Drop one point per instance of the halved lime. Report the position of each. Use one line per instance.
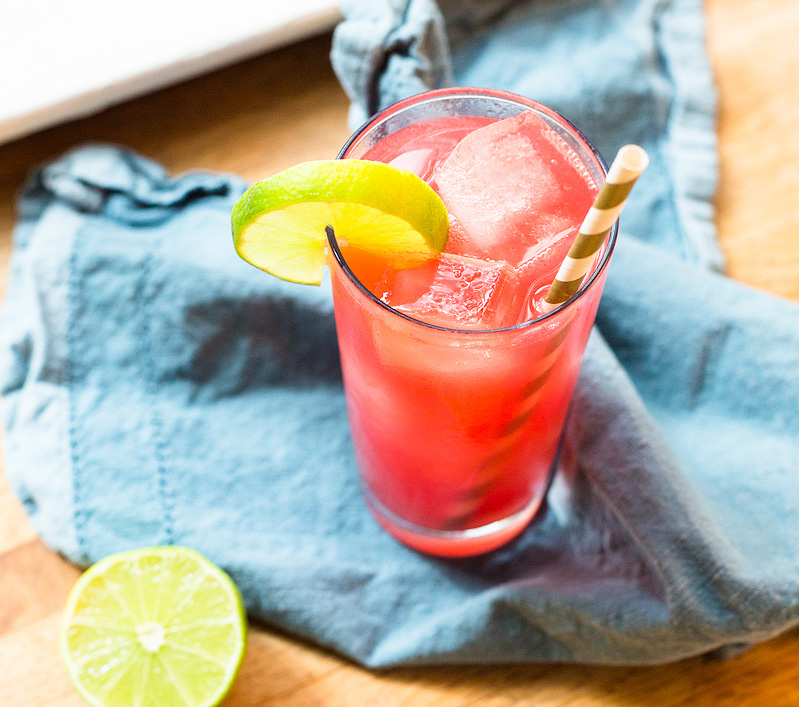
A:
(279, 223)
(153, 627)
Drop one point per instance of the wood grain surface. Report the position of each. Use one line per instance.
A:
(264, 115)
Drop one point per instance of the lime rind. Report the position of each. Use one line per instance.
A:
(279, 223)
(397, 192)
(115, 670)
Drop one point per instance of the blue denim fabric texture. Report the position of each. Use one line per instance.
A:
(156, 389)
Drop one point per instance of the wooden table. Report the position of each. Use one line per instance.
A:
(264, 115)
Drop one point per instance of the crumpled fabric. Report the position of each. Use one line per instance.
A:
(156, 389)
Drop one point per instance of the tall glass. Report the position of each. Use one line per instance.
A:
(456, 431)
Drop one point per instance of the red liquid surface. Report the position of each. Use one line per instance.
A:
(457, 430)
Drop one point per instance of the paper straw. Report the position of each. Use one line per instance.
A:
(629, 164)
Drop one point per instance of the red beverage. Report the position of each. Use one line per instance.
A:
(457, 384)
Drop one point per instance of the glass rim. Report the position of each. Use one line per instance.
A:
(529, 103)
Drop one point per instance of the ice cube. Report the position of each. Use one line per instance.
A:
(535, 274)
(455, 292)
(419, 161)
(402, 287)
(511, 184)
(419, 147)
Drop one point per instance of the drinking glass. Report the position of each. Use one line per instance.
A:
(456, 432)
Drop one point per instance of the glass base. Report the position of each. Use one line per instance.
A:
(454, 543)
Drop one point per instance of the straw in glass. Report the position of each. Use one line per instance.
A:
(629, 164)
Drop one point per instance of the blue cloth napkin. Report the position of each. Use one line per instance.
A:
(156, 389)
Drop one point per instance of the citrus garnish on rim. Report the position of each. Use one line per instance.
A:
(279, 223)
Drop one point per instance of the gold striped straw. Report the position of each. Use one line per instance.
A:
(629, 164)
